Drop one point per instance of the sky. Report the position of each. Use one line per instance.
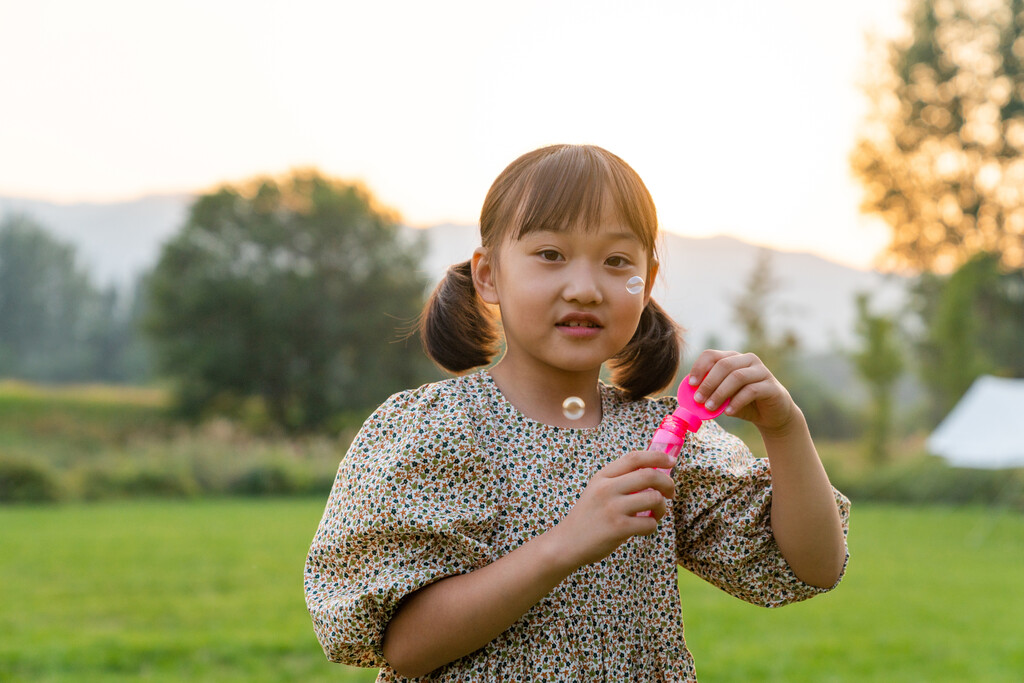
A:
(738, 115)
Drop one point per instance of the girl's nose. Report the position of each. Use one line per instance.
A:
(582, 286)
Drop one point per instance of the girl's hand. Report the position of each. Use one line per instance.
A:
(755, 395)
(605, 515)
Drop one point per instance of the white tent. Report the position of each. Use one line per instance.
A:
(986, 428)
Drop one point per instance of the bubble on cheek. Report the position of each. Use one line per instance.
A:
(573, 407)
(635, 285)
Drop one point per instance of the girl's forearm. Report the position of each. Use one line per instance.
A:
(457, 615)
(804, 514)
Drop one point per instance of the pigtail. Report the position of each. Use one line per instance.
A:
(456, 331)
(649, 361)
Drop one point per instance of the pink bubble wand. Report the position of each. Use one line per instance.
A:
(688, 417)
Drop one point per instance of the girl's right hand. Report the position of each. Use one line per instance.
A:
(605, 516)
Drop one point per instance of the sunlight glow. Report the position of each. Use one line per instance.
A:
(738, 115)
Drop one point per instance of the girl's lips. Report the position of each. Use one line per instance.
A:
(579, 325)
(580, 319)
(579, 331)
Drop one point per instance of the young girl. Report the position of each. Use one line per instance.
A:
(476, 533)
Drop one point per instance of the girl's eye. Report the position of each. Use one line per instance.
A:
(617, 261)
(550, 255)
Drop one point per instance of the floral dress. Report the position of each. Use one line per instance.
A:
(449, 477)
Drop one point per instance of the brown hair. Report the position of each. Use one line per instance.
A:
(561, 186)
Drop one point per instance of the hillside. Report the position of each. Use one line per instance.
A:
(117, 241)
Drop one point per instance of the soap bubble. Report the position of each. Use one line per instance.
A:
(635, 285)
(573, 407)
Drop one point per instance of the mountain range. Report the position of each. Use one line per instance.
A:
(699, 282)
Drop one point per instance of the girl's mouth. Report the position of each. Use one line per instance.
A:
(579, 325)
(579, 319)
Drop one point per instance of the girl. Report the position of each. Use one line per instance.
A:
(476, 533)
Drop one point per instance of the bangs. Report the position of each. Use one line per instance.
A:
(569, 187)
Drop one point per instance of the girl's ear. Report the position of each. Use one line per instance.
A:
(652, 275)
(483, 275)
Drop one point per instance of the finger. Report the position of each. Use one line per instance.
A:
(644, 479)
(643, 501)
(722, 373)
(767, 390)
(705, 361)
(640, 525)
(637, 460)
(755, 375)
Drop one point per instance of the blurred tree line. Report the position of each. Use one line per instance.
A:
(56, 324)
(827, 412)
(941, 160)
(285, 302)
(285, 296)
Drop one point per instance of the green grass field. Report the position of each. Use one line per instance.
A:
(212, 590)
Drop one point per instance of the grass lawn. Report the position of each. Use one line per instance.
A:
(203, 590)
(212, 590)
(931, 594)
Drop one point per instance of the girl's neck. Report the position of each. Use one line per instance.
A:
(539, 395)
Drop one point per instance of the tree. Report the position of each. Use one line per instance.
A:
(973, 324)
(879, 361)
(118, 349)
(47, 306)
(751, 310)
(56, 325)
(290, 291)
(940, 156)
(779, 351)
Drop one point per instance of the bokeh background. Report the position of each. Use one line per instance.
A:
(219, 221)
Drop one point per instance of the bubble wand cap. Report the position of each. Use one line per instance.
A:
(691, 412)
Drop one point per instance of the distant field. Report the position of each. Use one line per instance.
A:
(73, 443)
(212, 590)
(94, 442)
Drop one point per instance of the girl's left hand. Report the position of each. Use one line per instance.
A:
(755, 395)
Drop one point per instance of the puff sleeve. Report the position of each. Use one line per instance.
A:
(411, 504)
(722, 517)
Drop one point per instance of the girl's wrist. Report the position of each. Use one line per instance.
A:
(557, 552)
(795, 425)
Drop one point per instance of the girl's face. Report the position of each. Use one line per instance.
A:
(562, 295)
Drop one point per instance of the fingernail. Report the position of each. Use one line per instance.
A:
(698, 397)
(693, 381)
(710, 405)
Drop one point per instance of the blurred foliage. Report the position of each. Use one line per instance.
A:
(879, 362)
(752, 310)
(108, 443)
(26, 480)
(95, 443)
(931, 480)
(940, 154)
(972, 324)
(295, 291)
(779, 351)
(55, 324)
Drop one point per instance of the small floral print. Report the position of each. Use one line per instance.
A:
(449, 477)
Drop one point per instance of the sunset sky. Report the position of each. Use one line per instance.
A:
(738, 115)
